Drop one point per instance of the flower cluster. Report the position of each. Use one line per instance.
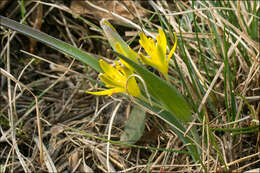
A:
(117, 78)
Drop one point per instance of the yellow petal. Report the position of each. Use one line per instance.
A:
(161, 47)
(133, 88)
(107, 92)
(162, 42)
(147, 43)
(111, 82)
(173, 49)
(109, 70)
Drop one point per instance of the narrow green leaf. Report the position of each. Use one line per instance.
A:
(52, 42)
(134, 126)
(166, 94)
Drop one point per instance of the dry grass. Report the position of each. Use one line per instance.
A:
(49, 124)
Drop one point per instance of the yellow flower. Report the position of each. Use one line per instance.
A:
(157, 52)
(116, 78)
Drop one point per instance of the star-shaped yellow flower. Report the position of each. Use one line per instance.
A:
(157, 52)
(116, 78)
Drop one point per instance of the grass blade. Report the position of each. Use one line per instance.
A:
(52, 42)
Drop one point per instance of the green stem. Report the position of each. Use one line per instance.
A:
(152, 103)
(167, 78)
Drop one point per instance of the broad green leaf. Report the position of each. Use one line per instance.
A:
(134, 126)
(166, 94)
(52, 42)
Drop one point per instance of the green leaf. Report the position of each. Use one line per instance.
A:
(134, 126)
(166, 94)
(114, 38)
(52, 42)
